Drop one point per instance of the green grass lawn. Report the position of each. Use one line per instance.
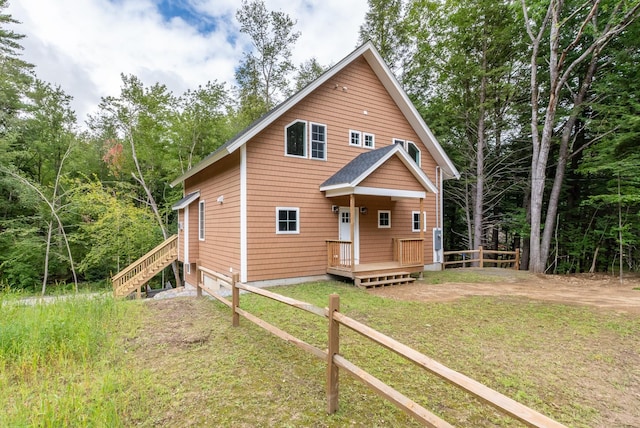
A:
(180, 363)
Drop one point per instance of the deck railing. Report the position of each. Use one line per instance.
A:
(330, 354)
(408, 251)
(339, 254)
(134, 275)
(471, 258)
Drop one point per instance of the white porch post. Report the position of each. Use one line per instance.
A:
(352, 226)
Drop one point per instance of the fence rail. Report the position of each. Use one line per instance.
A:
(468, 258)
(335, 361)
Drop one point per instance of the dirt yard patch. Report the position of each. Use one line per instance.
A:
(583, 289)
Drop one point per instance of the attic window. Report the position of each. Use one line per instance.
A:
(295, 139)
(414, 152)
(354, 138)
(369, 141)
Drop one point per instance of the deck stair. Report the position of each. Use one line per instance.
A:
(383, 279)
(137, 274)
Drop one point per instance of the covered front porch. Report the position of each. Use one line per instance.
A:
(379, 199)
(408, 256)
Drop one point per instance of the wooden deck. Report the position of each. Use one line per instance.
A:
(408, 258)
(372, 269)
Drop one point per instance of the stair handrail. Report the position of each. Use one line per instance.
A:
(142, 259)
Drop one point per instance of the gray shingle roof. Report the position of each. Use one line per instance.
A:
(357, 166)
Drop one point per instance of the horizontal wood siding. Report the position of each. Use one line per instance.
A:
(220, 250)
(275, 180)
(392, 175)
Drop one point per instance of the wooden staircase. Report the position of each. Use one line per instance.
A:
(383, 279)
(138, 273)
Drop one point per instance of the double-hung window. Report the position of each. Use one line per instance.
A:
(201, 221)
(296, 139)
(287, 220)
(318, 141)
(416, 221)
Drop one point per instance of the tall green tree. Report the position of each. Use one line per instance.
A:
(135, 130)
(200, 124)
(264, 72)
(566, 40)
(384, 26)
(464, 76)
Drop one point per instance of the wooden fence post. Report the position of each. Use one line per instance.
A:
(481, 256)
(333, 349)
(199, 277)
(235, 300)
(517, 263)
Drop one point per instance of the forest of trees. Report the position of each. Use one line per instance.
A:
(537, 103)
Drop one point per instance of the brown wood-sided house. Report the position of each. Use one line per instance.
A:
(343, 178)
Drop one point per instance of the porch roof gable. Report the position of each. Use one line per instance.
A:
(184, 202)
(348, 178)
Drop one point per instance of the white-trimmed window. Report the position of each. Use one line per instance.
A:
(415, 221)
(355, 138)
(287, 220)
(318, 141)
(414, 152)
(384, 219)
(201, 221)
(398, 141)
(368, 141)
(295, 137)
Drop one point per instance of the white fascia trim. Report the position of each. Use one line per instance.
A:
(412, 115)
(376, 191)
(243, 215)
(186, 202)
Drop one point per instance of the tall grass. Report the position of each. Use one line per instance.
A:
(57, 361)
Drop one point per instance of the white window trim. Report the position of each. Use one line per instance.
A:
(187, 268)
(419, 151)
(306, 137)
(351, 132)
(399, 142)
(424, 221)
(384, 226)
(288, 232)
(311, 140)
(373, 140)
(201, 221)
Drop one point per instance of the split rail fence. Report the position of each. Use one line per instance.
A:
(469, 258)
(335, 361)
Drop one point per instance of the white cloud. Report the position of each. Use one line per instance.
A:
(84, 45)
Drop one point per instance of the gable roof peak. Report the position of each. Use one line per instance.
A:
(388, 80)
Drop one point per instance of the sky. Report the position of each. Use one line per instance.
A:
(84, 45)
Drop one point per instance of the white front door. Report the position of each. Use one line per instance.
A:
(344, 233)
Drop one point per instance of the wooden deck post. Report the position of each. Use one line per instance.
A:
(481, 257)
(516, 265)
(333, 349)
(235, 300)
(199, 279)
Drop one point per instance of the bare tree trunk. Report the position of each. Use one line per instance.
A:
(152, 202)
(559, 74)
(45, 277)
(478, 210)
